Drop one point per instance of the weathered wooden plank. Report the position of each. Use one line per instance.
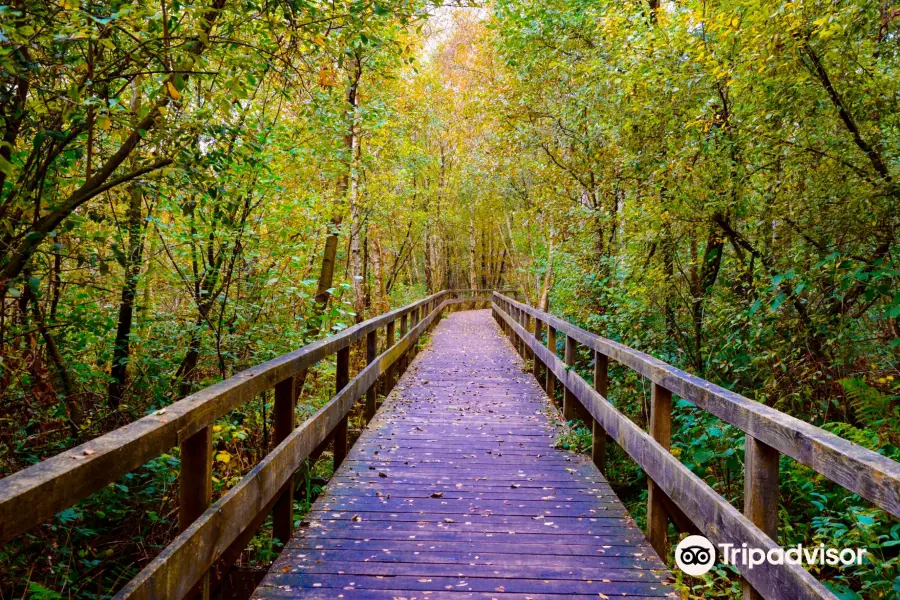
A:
(550, 382)
(390, 375)
(174, 572)
(661, 432)
(283, 416)
(760, 493)
(371, 354)
(598, 434)
(715, 517)
(538, 333)
(195, 488)
(341, 379)
(459, 471)
(869, 474)
(341, 583)
(35, 494)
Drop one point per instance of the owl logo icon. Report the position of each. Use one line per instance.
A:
(695, 555)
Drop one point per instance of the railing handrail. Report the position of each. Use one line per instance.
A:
(858, 469)
(33, 495)
(674, 491)
(176, 570)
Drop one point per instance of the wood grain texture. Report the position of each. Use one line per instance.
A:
(174, 572)
(760, 493)
(35, 494)
(455, 491)
(713, 515)
(661, 431)
(869, 474)
(283, 416)
(598, 434)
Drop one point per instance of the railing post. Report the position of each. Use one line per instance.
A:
(403, 360)
(341, 379)
(661, 431)
(519, 346)
(195, 488)
(283, 415)
(529, 354)
(538, 327)
(195, 491)
(551, 345)
(601, 385)
(570, 410)
(371, 354)
(760, 493)
(389, 341)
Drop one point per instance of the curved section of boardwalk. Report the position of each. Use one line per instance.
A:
(455, 491)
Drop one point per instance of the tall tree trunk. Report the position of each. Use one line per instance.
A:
(133, 260)
(329, 254)
(132, 267)
(76, 414)
(357, 263)
(378, 259)
(484, 280)
(544, 302)
(473, 280)
(429, 259)
(498, 282)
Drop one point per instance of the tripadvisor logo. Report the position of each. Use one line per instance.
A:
(696, 555)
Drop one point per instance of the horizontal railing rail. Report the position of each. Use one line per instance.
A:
(212, 536)
(675, 492)
(33, 495)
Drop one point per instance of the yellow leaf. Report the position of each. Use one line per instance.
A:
(223, 457)
(103, 122)
(173, 92)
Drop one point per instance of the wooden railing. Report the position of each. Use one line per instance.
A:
(675, 492)
(213, 536)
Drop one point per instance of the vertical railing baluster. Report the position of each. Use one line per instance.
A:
(195, 488)
(521, 321)
(570, 402)
(661, 431)
(283, 416)
(551, 345)
(601, 385)
(389, 377)
(341, 379)
(760, 493)
(538, 328)
(529, 354)
(371, 354)
(403, 360)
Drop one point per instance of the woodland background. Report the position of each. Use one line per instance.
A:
(188, 189)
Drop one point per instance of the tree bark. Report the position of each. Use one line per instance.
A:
(329, 254)
(473, 281)
(133, 260)
(544, 302)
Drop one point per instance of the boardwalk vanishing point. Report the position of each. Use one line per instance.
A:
(455, 490)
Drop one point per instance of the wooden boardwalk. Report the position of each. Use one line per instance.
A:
(455, 491)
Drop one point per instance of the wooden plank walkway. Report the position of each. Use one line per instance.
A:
(455, 491)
